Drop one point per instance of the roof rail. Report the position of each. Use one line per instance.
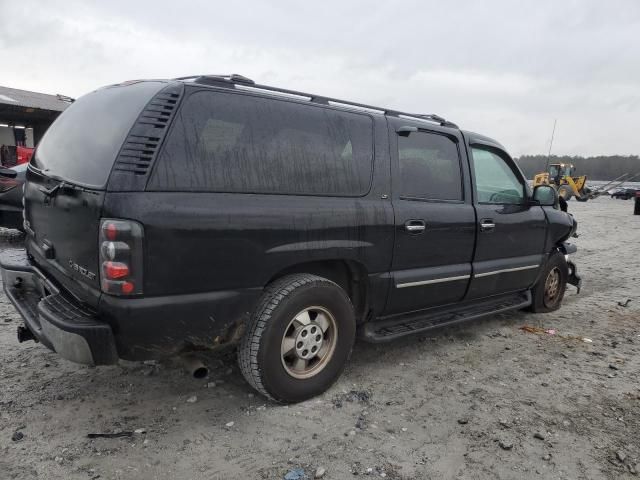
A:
(205, 79)
(248, 84)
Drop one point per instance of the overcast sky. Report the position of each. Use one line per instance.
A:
(504, 68)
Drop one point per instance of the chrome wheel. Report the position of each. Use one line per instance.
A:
(552, 287)
(309, 342)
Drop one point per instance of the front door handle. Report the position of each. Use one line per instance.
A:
(487, 225)
(415, 226)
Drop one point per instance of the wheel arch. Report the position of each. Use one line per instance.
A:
(350, 275)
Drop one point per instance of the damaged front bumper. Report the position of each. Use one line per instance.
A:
(573, 277)
(65, 327)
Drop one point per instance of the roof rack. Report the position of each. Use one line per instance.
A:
(245, 83)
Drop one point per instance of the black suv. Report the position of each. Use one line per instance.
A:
(165, 217)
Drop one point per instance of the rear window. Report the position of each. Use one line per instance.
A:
(224, 142)
(83, 142)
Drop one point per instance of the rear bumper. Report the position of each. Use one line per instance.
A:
(128, 328)
(72, 331)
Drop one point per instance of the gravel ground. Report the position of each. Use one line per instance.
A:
(484, 400)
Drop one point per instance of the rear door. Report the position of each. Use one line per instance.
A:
(511, 232)
(66, 183)
(434, 217)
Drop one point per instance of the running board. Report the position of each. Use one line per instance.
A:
(390, 329)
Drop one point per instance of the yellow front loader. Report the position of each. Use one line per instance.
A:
(561, 177)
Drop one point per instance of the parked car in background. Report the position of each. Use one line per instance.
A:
(166, 217)
(11, 155)
(11, 198)
(624, 193)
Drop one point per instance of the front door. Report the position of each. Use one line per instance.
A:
(511, 231)
(434, 219)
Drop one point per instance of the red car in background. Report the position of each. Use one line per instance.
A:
(11, 156)
(23, 155)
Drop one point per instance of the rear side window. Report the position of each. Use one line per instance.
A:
(82, 144)
(224, 142)
(429, 167)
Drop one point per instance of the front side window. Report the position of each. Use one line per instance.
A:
(224, 142)
(429, 167)
(495, 182)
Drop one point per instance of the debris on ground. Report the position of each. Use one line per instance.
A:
(505, 444)
(625, 304)
(192, 399)
(538, 330)
(296, 474)
(353, 396)
(110, 435)
(17, 436)
(320, 471)
(553, 331)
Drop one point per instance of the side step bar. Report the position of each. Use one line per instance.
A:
(389, 329)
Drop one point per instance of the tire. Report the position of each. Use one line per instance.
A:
(565, 192)
(541, 300)
(289, 314)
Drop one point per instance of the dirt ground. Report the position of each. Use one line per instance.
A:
(485, 400)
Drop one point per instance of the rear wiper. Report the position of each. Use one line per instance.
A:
(52, 192)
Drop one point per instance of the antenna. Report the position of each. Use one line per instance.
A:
(553, 132)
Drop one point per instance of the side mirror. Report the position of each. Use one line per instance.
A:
(7, 172)
(545, 195)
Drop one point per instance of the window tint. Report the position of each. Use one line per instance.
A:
(82, 144)
(429, 167)
(495, 182)
(238, 143)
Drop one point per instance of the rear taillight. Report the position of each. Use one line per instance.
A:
(121, 257)
(7, 184)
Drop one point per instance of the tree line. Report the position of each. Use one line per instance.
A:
(595, 168)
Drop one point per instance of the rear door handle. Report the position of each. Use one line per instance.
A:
(487, 225)
(415, 226)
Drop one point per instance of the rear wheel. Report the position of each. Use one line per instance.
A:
(548, 292)
(299, 338)
(565, 192)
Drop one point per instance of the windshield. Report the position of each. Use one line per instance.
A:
(83, 142)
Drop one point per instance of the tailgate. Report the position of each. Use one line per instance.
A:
(62, 234)
(66, 183)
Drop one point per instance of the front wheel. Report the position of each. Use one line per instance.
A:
(299, 338)
(548, 292)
